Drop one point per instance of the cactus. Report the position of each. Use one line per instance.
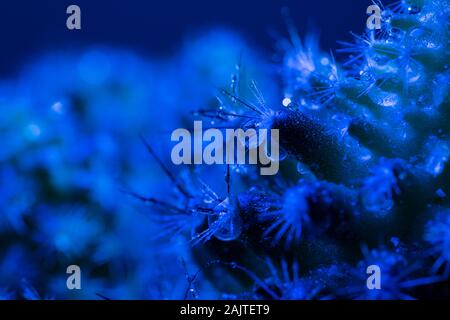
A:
(369, 139)
(363, 180)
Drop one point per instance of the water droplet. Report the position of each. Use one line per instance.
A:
(225, 222)
(286, 102)
(57, 107)
(438, 156)
(302, 169)
(325, 61)
(389, 100)
(377, 192)
(395, 241)
(440, 193)
(413, 9)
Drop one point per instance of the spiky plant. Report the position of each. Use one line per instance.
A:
(366, 178)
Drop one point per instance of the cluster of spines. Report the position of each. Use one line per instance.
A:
(371, 140)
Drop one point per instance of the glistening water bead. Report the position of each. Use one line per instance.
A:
(225, 222)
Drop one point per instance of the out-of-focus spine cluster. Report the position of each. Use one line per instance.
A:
(70, 150)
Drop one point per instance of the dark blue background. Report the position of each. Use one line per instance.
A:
(157, 27)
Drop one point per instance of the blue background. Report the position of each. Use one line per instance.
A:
(154, 28)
